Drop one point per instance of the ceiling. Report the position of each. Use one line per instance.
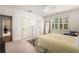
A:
(39, 9)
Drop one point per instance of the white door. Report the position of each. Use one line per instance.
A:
(47, 27)
(25, 27)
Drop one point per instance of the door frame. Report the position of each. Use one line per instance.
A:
(10, 24)
(49, 22)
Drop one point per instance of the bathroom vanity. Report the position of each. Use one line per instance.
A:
(7, 37)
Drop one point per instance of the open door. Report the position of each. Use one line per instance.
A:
(47, 27)
(7, 28)
(2, 41)
(5, 31)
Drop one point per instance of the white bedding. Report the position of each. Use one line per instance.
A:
(56, 43)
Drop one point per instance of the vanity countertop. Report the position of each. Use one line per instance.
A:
(6, 34)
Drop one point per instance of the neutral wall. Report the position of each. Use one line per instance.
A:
(73, 19)
(31, 20)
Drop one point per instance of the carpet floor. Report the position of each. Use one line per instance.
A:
(20, 46)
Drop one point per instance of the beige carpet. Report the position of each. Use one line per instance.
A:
(20, 46)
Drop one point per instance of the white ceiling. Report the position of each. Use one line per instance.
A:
(39, 9)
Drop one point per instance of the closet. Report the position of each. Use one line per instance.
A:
(25, 24)
(31, 27)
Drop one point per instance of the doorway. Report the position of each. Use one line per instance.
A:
(7, 28)
(5, 31)
(47, 27)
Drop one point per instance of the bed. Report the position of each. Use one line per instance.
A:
(56, 43)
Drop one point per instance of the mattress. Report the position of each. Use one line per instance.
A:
(57, 43)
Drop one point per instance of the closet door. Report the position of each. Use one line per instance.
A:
(25, 28)
(2, 42)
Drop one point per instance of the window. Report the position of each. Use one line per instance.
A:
(53, 26)
(65, 26)
(56, 26)
(60, 23)
(56, 20)
(60, 20)
(61, 26)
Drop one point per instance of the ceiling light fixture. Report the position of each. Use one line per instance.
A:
(47, 8)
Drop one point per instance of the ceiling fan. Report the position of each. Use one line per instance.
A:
(47, 8)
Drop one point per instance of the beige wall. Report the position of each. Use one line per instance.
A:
(23, 29)
(73, 19)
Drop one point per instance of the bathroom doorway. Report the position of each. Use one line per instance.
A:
(7, 28)
(5, 31)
